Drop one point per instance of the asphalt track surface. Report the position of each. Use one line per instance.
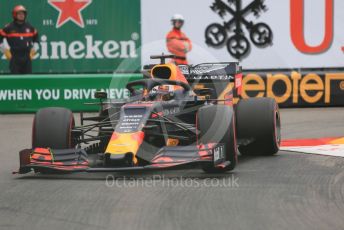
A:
(286, 191)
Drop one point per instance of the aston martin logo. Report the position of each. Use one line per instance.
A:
(70, 10)
(238, 44)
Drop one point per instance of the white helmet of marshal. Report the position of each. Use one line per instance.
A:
(177, 17)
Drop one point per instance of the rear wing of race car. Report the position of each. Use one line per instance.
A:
(224, 79)
(210, 72)
(206, 72)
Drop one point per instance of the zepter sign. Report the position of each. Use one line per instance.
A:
(294, 89)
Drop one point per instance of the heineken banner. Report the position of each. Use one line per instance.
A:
(85, 36)
(27, 94)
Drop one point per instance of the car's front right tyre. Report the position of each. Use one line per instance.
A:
(52, 128)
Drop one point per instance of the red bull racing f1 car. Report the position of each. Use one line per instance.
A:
(176, 116)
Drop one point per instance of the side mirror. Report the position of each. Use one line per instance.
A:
(204, 92)
(100, 95)
(150, 127)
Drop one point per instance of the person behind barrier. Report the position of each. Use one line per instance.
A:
(177, 42)
(21, 38)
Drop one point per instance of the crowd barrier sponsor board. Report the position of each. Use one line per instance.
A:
(27, 94)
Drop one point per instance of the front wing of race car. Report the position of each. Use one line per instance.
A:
(47, 160)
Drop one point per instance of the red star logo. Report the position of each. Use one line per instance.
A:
(70, 10)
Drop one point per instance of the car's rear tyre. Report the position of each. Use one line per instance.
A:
(258, 126)
(52, 128)
(216, 124)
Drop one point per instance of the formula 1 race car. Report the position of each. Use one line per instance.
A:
(176, 116)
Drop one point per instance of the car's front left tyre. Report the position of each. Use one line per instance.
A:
(216, 124)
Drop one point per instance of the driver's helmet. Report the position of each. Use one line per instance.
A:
(158, 93)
